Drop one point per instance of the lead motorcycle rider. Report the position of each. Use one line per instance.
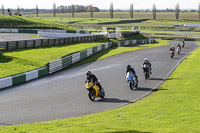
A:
(146, 62)
(130, 69)
(92, 77)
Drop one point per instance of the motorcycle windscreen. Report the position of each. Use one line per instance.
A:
(129, 76)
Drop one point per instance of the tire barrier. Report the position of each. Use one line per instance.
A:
(64, 62)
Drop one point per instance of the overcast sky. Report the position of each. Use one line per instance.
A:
(103, 4)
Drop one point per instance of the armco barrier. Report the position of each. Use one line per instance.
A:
(23, 77)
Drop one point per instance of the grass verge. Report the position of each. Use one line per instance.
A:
(19, 61)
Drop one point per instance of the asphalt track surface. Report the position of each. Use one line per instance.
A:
(16, 37)
(63, 95)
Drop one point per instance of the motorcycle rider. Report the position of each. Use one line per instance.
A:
(146, 62)
(178, 45)
(130, 69)
(183, 43)
(172, 48)
(92, 77)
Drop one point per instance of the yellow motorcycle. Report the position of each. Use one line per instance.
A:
(94, 90)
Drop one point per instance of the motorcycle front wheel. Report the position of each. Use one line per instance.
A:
(102, 93)
(146, 75)
(131, 84)
(91, 95)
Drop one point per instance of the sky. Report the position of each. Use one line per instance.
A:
(102, 4)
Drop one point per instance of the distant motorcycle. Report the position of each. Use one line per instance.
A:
(131, 79)
(171, 53)
(183, 44)
(146, 71)
(94, 90)
(178, 50)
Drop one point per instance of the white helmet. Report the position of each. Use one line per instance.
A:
(145, 59)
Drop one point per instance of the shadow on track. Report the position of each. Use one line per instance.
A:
(113, 100)
(148, 89)
(162, 79)
(4, 124)
(177, 58)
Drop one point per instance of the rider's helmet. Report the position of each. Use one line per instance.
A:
(88, 73)
(172, 46)
(128, 66)
(145, 59)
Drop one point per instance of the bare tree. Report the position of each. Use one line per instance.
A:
(177, 11)
(131, 10)
(199, 11)
(18, 10)
(54, 10)
(73, 10)
(91, 11)
(37, 11)
(2, 10)
(111, 10)
(154, 11)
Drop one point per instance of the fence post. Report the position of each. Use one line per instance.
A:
(47, 42)
(25, 44)
(7, 47)
(33, 43)
(17, 44)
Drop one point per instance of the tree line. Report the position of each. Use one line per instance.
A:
(79, 8)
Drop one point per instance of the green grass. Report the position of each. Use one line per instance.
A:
(36, 36)
(117, 50)
(122, 19)
(19, 61)
(20, 21)
(174, 108)
(140, 18)
(184, 16)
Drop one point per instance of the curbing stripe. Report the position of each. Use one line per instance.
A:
(17, 79)
(31, 75)
(43, 71)
(5, 82)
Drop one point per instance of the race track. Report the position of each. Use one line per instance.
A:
(63, 95)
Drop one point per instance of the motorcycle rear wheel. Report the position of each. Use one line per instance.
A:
(91, 95)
